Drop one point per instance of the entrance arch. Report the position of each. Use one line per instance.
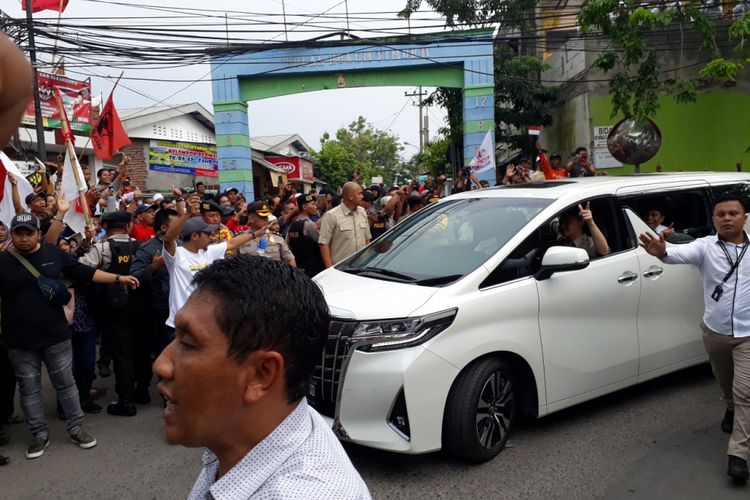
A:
(462, 59)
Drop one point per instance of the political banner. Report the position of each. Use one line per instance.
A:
(484, 159)
(183, 158)
(76, 97)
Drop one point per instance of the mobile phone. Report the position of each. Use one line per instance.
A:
(422, 178)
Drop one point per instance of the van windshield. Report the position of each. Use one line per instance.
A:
(444, 242)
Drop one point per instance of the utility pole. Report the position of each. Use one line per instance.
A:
(41, 146)
(424, 133)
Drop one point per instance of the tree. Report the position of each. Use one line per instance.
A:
(520, 99)
(359, 146)
(434, 157)
(627, 25)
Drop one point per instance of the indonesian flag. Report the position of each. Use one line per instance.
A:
(40, 5)
(74, 217)
(108, 135)
(535, 129)
(7, 211)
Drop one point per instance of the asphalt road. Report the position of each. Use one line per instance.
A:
(658, 440)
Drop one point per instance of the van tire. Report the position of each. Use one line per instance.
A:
(486, 387)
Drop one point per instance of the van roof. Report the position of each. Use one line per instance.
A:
(600, 185)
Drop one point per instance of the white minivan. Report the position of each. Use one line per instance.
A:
(470, 313)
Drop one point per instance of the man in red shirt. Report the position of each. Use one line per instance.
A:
(143, 227)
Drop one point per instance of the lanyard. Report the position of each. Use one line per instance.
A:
(733, 265)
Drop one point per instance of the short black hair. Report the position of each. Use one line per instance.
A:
(579, 149)
(287, 313)
(161, 217)
(555, 155)
(335, 201)
(723, 198)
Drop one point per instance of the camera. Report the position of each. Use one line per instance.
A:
(466, 171)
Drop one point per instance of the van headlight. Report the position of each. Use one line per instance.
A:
(400, 333)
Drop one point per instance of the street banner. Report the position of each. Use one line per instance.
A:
(75, 217)
(183, 158)
(76, 96)
(108, 136)
(7, 211)
(484, 159)
(40, 5)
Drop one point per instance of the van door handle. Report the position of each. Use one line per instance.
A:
(653, 271)
(627, 277)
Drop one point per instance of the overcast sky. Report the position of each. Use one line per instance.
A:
(309, 114)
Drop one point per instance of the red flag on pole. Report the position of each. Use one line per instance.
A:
(40, 5)
(108, 135)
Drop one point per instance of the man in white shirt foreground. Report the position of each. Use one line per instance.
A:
(235, 378)
(725, 271)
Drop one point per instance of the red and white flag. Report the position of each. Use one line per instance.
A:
(74, 217)
(7, 211)
(108, 135)
(40, 5)
(535, 129)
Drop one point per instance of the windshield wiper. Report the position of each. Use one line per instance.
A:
(439, 280)
(381, 272)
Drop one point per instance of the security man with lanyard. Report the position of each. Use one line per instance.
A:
(114, 254)
(726, 318)
(271, 246)
(302, 237)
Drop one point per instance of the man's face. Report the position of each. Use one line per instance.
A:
(64, 246)
(571, 227)
(729, 219)
(555, 162)
(38, 204)
(203, 386)
(212, 217)
(224, 201)
(86, 175)
(232, 197)
(147, 217)
(255, 221)
(201, 188)
(311, 208)
(201, 240)
(356, 196)
(289, 208)
(583, 157)
(25, 240)
(654, 218)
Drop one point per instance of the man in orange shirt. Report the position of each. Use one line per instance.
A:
(550, 172)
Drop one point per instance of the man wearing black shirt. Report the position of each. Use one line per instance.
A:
(36, 330)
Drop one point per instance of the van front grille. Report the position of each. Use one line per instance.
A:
(324, 383)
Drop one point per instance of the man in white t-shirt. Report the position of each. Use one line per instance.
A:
(195, 253)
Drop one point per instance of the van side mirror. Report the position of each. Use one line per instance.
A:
(560, 259)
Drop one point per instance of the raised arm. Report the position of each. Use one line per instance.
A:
(600, 242)
(58, 225)
(17, 206)
(175, 229)
(243, 238)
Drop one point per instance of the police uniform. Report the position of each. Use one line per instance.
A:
(302, 239)
(115, 317)
(276, 248)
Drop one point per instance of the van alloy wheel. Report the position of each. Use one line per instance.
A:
(494, 410)
(480, 410)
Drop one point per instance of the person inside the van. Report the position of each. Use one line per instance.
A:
(578, 228)
(654, 218)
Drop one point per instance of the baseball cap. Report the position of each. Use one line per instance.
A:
(260, 208)
(227, 211)
(236, 191)
(26, 221)
(158, 197)
(142, 208)
(303, 200)
(197, 225)
(33, 196)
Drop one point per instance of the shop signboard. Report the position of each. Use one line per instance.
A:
(183, 158)
(295, 167)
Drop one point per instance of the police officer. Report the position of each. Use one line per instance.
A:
(270, 245)
(114, 254)
(302, 237)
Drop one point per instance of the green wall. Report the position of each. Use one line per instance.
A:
(712, 133)
(254, 88)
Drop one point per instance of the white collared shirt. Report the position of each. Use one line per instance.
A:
(300, 459)
(730, 315)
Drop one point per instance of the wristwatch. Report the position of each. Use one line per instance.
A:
(117, 278)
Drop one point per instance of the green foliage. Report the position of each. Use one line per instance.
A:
(359, 146)
(520, 100)
(635, 85)
(434, 158)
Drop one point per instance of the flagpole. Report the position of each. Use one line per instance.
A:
(57, 31)
(41, 145)
(71, 152)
